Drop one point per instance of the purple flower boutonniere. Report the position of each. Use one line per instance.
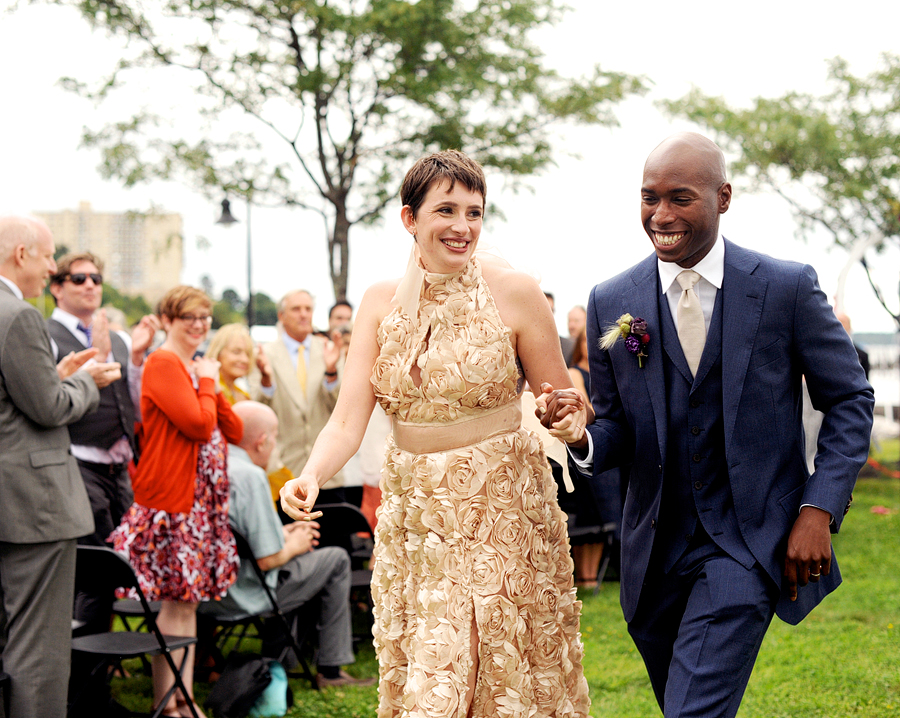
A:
(633, 330)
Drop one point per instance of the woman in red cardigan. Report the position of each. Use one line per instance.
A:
(176, 534)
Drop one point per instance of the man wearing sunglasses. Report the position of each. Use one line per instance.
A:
(103, 441)
(43, 504)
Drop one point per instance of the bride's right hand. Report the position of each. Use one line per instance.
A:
(298, 496)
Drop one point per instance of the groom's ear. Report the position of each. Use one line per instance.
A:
(724, 197)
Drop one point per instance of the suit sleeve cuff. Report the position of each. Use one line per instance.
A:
(820, 509)
(585, 463)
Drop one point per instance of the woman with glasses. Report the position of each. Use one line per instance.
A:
(176, 534)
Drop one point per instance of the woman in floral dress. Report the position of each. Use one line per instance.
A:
(475, 611)
(176, 534)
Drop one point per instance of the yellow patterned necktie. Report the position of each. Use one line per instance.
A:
(301, 368)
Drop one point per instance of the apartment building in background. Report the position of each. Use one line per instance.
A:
(142, 251)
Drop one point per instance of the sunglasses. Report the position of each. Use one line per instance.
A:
(80, 278)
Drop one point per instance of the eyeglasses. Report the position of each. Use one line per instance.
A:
(80, 278)
(191, 319)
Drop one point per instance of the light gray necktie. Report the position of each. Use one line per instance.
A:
(691, 327)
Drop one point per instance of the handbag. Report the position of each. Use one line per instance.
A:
(242, 682)
(277, 697)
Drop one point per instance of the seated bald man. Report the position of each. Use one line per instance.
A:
(295, 567)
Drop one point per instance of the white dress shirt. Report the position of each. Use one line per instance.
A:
(13, 286)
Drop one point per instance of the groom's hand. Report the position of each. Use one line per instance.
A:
(563, 412)
(809, 549)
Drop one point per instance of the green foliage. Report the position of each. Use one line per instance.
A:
(834, 158)
(265, 309)
(135, 308)
(232, 309)
(224, 313)
(352, 92)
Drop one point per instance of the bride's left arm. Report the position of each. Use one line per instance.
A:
(525, 310)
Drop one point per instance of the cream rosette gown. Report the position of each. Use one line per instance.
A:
(472, 581)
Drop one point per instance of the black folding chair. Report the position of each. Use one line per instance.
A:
(238, 627)
(105, 570)
(342, 525)
(130, 610)
(346, 526)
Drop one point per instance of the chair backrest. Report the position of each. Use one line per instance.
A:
(340, 521)
(246, 554)
(103, 571)
(101, 568)
(243, 547)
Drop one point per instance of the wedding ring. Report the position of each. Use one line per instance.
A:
(814, 575)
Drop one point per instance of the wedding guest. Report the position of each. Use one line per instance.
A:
(176, 533)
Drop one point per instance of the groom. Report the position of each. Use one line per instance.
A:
(722, 524)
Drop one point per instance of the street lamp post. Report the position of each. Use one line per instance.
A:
(228, 219)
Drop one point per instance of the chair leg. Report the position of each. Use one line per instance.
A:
(178, 685)
(604, 564)
(296, 646)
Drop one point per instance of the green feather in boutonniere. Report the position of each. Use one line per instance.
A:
(633, 331)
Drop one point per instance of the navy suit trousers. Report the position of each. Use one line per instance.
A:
(699, 628)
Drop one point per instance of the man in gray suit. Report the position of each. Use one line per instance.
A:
(43, 503)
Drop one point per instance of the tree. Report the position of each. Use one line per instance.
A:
(265, 308)
(349, 90)
(233, 299)
(835, 158)
(135, 307)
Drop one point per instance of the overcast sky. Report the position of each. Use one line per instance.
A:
(581, 223)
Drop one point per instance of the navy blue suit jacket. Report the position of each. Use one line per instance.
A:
(777, 326)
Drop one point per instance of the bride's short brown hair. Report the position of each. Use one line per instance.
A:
(451, 165)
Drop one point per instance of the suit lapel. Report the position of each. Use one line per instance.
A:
(286, 372)
(643, 301)
(743, 298)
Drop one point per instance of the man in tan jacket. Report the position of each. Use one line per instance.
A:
(306, 380)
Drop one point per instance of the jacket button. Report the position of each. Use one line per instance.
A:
(688, 538)
(698, 485)
(696, 458)
(695, 403)
(695, 430)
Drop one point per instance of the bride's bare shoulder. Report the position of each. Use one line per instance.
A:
(377, 299)
(503, 278)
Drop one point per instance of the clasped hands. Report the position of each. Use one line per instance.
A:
(565, 413)
(301, 536)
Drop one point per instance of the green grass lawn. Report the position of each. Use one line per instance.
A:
(843, 660)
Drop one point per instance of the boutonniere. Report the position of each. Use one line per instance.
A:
(633, 331)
